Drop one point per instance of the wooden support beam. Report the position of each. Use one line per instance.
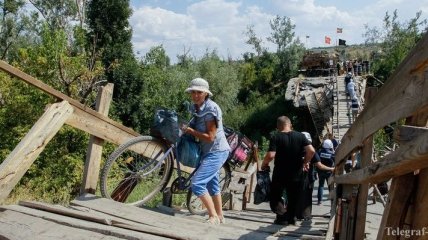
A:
(405, 134)
(420, 216)
(406, 159)
(95, 146)
(20, 159)
(405, 92)
(85, 121)
(403, 189)
(363, 191)
(98, 117)
(398, 201)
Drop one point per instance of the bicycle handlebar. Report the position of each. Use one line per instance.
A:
(200, 115)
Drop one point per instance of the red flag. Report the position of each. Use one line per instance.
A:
(339, 30)
(327, 40)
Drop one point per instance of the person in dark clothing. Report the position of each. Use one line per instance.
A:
(304, 207)
(326, 154)
(286, 147)
(348, 78)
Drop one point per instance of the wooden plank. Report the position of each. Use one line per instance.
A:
(405, 134)
(21, 158)
(420, 218)
(406, 159)
(363, 191)
(55, 93)
(16, 225)
(61, 210)
(399, 194)
(185, 227)
(95, 145)
(92, 216)
(88, 122)
(404, 92)
(40, 219)
(330, 230)
(263, 223)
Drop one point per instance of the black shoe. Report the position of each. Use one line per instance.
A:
(281, 220)
(292, 222)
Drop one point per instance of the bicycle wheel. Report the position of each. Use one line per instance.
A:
(195, 205)
(132, 174)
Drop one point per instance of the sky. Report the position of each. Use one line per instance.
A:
(198, 26)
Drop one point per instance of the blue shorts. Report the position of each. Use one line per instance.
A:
(206, 178)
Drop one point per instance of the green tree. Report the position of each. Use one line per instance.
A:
(254, 41)
(222, 77)
(396, 39)
(289, 48)
(57, 13)
(17, 29)
(109, 37)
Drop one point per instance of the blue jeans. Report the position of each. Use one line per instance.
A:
(206, 178)
(322, 177)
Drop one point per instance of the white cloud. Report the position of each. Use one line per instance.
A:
(210, 24)
(220, 24)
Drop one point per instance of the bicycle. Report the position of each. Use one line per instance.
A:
(142, 167)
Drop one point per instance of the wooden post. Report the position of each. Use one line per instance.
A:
(366, 159)
(21, 158)
(95, 146)
(402, 189)
(420, 208)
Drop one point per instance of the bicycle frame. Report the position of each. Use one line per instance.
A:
(183, 185)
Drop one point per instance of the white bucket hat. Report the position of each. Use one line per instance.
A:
(199, 84)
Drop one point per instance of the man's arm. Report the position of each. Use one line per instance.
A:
(267, 159)
(309, 153)
(321, 166)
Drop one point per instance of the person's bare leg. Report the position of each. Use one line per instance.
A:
(218, 206)
(208, 202)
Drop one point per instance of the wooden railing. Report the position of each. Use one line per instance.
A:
(403, 97)
(66, 111)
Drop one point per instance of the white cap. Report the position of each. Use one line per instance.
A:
(327, 144)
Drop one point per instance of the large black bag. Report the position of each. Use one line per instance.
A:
(262, 191)
(165, 125)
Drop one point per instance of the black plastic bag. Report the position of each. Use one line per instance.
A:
(262, 191)
(165, 125)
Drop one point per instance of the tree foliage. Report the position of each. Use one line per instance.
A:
(396, 39)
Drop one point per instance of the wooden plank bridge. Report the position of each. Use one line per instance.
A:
(91, 217)
(404, 96)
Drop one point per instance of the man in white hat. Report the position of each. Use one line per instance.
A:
(207, 127)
